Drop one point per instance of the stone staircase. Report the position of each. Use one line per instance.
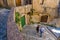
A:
(29, 33)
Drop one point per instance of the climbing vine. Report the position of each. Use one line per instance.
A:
(17, 18)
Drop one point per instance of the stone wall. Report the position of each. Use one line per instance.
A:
(23, 10)
(50, 5)
(11, 3)
(1, 2)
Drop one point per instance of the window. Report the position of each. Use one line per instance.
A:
(27, 2)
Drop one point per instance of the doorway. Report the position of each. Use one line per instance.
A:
(23, 21)
(44, 18)
(18, 2)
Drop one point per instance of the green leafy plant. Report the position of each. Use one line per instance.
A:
(17, 18)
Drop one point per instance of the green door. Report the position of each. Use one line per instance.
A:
(23, 21)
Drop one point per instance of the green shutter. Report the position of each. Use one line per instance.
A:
(23, 21)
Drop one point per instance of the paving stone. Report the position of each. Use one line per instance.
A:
(12, 30)
(3, 25)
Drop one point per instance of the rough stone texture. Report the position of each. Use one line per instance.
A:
(3, 23)
(50, 5)
(55, 22)
(11, 3)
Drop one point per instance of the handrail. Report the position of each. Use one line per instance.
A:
(50, 32)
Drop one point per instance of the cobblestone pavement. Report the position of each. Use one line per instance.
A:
(8, 28)
(3, 23)
(31, 31)
(12, 30)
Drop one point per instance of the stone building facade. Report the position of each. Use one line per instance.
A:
(43, 11)
(42, 8)
(10, 3)
(50, 6)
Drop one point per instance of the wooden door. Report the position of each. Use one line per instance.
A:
(44, 18)
(18, 2)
